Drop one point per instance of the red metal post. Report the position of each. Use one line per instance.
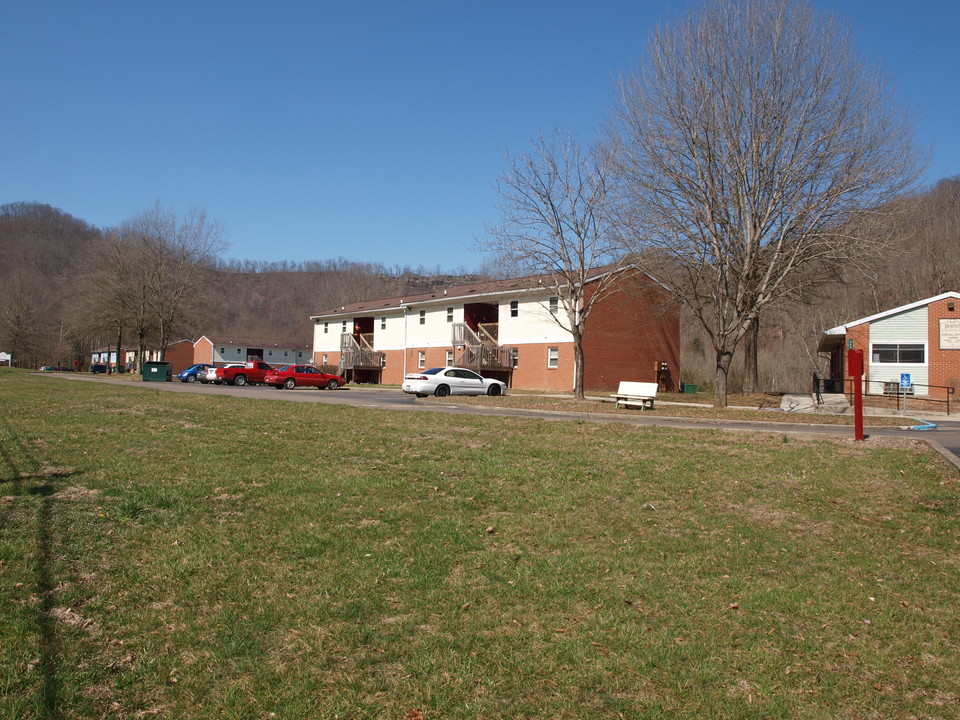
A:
(855, 367)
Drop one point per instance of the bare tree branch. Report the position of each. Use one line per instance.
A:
(557, 207)
(749, 141)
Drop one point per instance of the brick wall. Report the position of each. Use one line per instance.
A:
(180, 355)
(532, 372)
(203, 351)
(944, 365)
(861, 341)
(393, 370)
(628, 333)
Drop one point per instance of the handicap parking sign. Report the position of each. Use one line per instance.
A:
(904, 380)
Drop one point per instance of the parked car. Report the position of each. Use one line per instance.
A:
(192, 373)
(291, 376)
(443, 381)
(98, 369)
(210, 376)
(252, 371)
(55, 368)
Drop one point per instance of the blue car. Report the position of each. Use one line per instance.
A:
(190, 374)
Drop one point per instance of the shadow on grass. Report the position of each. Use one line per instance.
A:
(40, 483)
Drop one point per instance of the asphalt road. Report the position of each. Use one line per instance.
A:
(945, 438)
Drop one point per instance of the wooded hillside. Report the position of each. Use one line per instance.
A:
(67, 289)
(55, 308)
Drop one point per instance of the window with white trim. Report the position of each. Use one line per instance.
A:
(553, 357)
(423, 317)
(449, 357)
(449, 314)
(899, 353)
(326, 327)
(383, 323)
(514, 308)
(515, 357)
(554, 304)
(421, 359)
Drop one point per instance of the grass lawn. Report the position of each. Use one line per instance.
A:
(192, 556)
(688, 410)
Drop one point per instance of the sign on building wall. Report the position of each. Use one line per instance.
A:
(950, 334)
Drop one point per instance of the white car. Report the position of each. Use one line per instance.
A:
(211, 375)
(443, 381)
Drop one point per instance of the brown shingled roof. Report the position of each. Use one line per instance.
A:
(258, 342)
(457, 292)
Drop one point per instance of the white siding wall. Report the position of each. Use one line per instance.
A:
(392, 337)
(328, 342)
(533, 324)
(905, 327)
(273, 356)
(436, 331)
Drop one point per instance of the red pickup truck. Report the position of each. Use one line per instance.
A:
(253, 371)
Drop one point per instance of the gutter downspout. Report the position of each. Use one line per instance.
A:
(405, 309)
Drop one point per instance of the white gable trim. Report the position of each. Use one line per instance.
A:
(842, 329)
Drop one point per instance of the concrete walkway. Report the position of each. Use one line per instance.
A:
(837, 404)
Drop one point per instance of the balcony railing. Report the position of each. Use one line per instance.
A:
(480, 350)
(489, 332)
(354, 356)
(486, 357)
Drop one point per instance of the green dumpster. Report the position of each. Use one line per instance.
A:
(157, 371)
(688, 388)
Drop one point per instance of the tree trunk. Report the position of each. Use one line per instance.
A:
(751, 371)
(119, 344)
(724, 357)
(578, 367)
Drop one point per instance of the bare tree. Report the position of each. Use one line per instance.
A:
(172, 256)
(558, 215)
(747, 141)
(148, 276)
(22, 320)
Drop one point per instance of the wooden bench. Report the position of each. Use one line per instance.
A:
(635, 394)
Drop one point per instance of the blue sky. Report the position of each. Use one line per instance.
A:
(369, 131)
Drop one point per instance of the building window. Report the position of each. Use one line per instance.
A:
(423, 317)
(449, 357)
(450, 314)
(514, 308)
(421, 359)
(383, 361)
(554, 305)
(344, 328)
(284, 353)
(323, 359)
(238, 351)
(893, 388)
(899, 354)
(326, 328)
(553, 357)
(269, 352)
(515, 357)
(383, 323)
(222, 350)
